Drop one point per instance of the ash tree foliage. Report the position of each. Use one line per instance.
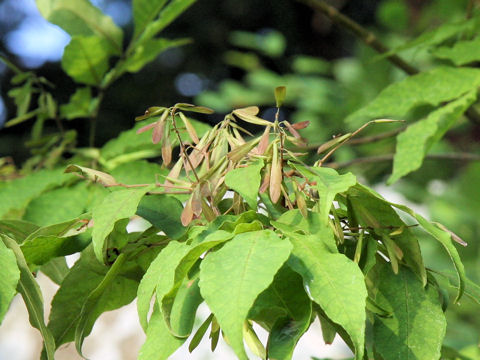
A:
(249, 225)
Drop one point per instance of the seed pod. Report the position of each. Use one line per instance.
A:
(264, 141)
(187, 213)
(266, 179)
(190, 129)
(301, 125)
(292, 130)
(275, 176)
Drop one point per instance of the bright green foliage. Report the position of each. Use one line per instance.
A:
(445, 237)
(463, 52)
(81, 18)
(58, 205)
(417, 325)
(163, 212)
(328, 183)
(84, 277)
(32, 296)
(335, 283)
(115, 206)
(371, 210)
(54, 241)
(86, 59)
(427, 88)
(285, 309)
(232, 277)
(438, 35)
(160, 344)
(294, 242)
(79, 106)
(159, 278)
(9, 279)
(246, 181)
(157, 21)
(415, 141)
(16, 194)
(148, 51)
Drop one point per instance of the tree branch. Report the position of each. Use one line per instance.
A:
(371, 40)
(389, 157)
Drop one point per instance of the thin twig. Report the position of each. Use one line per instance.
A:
(389, 157)
(371, 40)
(374, 138)
(336, 147)
(470, 7)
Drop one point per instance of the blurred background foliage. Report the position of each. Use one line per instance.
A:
(239, 52)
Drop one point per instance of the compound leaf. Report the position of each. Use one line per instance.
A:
(417, 327)
(246, 182)
(232, 277)
(335, 283)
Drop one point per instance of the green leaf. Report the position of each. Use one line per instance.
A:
(373, 211)
(32, 296)
(155, 23)
(148, 51)
(81, 280)
(58, 205)
(182, 316)
(138, 172)
(472, 290)
(144, 12)
(280, 94)
(16, 194)
(444, 238)
(246, 182)
(18, 230)
(79, 105)
(9, 279)
(431, 87)
(285, 309)
(54, 241)
(160, 344)
(436, 36)
(329, 184)
(167, 300)
(417, 327)
(160, 275)
(91, 174)
(22, 96)
(335, 283)
(232, 277)
(115, 206)
(414, 143)
(463, 52)
(293, 221)
(80, 17)
(56, 269)
(163, 212)
(81, 330)
(85, 59)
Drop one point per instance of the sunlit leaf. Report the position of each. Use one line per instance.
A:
(417, 327)
(32, 296)
(232, 277)
(414, 143)
(115, 206)
(427, 88)
(85, 59)
(80, 17)
(9, 279)
(335, 283)
(246, 181)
